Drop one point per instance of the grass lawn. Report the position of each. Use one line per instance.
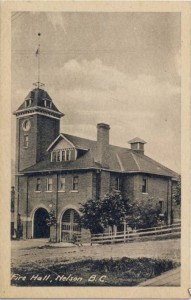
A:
(92, 272)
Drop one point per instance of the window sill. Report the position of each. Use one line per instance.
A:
(74, 191)
(37, 191)
(145, 193)
(61, 191)
(48, 191)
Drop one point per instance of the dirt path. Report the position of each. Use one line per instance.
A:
(35, 253)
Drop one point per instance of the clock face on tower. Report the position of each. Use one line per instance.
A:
(26, 125)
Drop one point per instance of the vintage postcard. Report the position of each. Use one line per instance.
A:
(95, 123)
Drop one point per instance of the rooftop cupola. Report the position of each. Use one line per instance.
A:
(137, 144)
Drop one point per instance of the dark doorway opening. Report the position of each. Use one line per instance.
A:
(41, 229)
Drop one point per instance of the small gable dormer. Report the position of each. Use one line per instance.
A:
(47, 103)
(28, 102)
(64, 150)
(137, 144)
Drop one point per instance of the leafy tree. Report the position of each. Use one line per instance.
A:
(114, 209)
(101, 213)
(51, 220)
(176, 194)
(143, 215)
(91, 218)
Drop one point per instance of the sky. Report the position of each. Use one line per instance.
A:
(123, 69)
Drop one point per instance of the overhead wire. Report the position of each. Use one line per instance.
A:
(72, 51)
(61, 51)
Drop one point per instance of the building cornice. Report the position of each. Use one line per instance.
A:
(97, 168)
(38, 110)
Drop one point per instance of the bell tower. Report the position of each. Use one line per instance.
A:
(38, 124)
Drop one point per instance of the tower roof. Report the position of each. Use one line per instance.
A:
(38, 98)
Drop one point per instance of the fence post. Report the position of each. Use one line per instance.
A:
(125, 225)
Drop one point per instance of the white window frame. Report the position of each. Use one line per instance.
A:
(58, 155)
(69, 154)
(49, 184)
(26, 141)
(28, 102)
(161, 206)
(118, 183)
(36, 189)
(73, 183)
(47, 101)
(62, 154)
(146, 180)
(60, 177)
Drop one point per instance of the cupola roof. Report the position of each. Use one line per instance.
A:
(137, 140)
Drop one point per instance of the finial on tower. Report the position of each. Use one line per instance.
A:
(38, 84)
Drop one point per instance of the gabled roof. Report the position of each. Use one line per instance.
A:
(56, 141)
(37, 97)
(122, 160)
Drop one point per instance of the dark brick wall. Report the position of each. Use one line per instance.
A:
(64, 198)
(158, 189)
(128, 187)
(27, 156)
(104, 183)
(22, 206)
(48, 130)
(41, 134)
(131, 187)
(48, 200)
(95, 191)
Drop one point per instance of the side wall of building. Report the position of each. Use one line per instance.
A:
(158, 191)
(90, 184)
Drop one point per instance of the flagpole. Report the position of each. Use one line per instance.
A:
(38, 65)
(38, 84)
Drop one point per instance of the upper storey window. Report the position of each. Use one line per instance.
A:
(47, 103)
(28, 102)
(117, 183)
(63, 155)
(144, 185)
(26, 141)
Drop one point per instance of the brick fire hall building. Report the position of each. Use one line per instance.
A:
(57, 171)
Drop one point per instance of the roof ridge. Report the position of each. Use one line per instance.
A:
(75, 136)
(120, 163)
(135, 161)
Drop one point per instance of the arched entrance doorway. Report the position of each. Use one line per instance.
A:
(70, 225)
(41, 229)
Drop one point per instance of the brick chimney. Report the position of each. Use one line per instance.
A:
(102, 143)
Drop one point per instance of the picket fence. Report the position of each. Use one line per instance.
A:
(160, 232)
